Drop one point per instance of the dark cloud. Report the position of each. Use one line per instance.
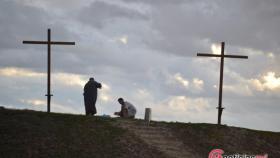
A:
(20, 22)
(100, 13)
(238, 23)
(17, 21)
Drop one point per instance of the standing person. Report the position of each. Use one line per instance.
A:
(127, 110)
(90, 96)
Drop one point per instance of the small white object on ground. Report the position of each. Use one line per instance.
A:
(148, 115)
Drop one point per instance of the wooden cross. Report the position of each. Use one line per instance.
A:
(49, 43)
(222, 56)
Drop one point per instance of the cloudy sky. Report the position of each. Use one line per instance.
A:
(145, 51)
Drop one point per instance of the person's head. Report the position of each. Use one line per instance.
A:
(91, 79)
(121, 101)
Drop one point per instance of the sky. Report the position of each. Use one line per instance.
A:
(145, 51)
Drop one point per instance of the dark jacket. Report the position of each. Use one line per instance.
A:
(90, 88)
(90, 96)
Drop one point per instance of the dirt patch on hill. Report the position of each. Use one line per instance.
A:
(157, 137)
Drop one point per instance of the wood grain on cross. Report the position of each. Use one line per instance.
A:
(222, 56)
(49, 43)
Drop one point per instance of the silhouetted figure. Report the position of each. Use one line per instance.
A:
(127, 110)
(90, 96)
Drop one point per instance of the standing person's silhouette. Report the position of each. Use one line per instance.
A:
(90, 96)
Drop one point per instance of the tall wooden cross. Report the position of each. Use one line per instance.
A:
(49, 43)
(222, 56)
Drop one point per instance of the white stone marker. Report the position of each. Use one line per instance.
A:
(148, 115)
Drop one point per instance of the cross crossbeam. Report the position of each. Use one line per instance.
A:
(49, 43)
(225, 56)
(222, 56)
(46, 42)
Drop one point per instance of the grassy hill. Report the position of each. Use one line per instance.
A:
(27, 134)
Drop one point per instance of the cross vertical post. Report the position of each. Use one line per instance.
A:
(49, 71)
(49, 42)
(222, 56)
(220, 108)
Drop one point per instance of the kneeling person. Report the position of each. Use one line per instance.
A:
(127, 110)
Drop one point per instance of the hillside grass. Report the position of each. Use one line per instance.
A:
(25, 134)
(202, 138)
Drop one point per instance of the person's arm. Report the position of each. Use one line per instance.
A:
(120, 113)
(117, 113)
(98, 85)
(124, 111)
